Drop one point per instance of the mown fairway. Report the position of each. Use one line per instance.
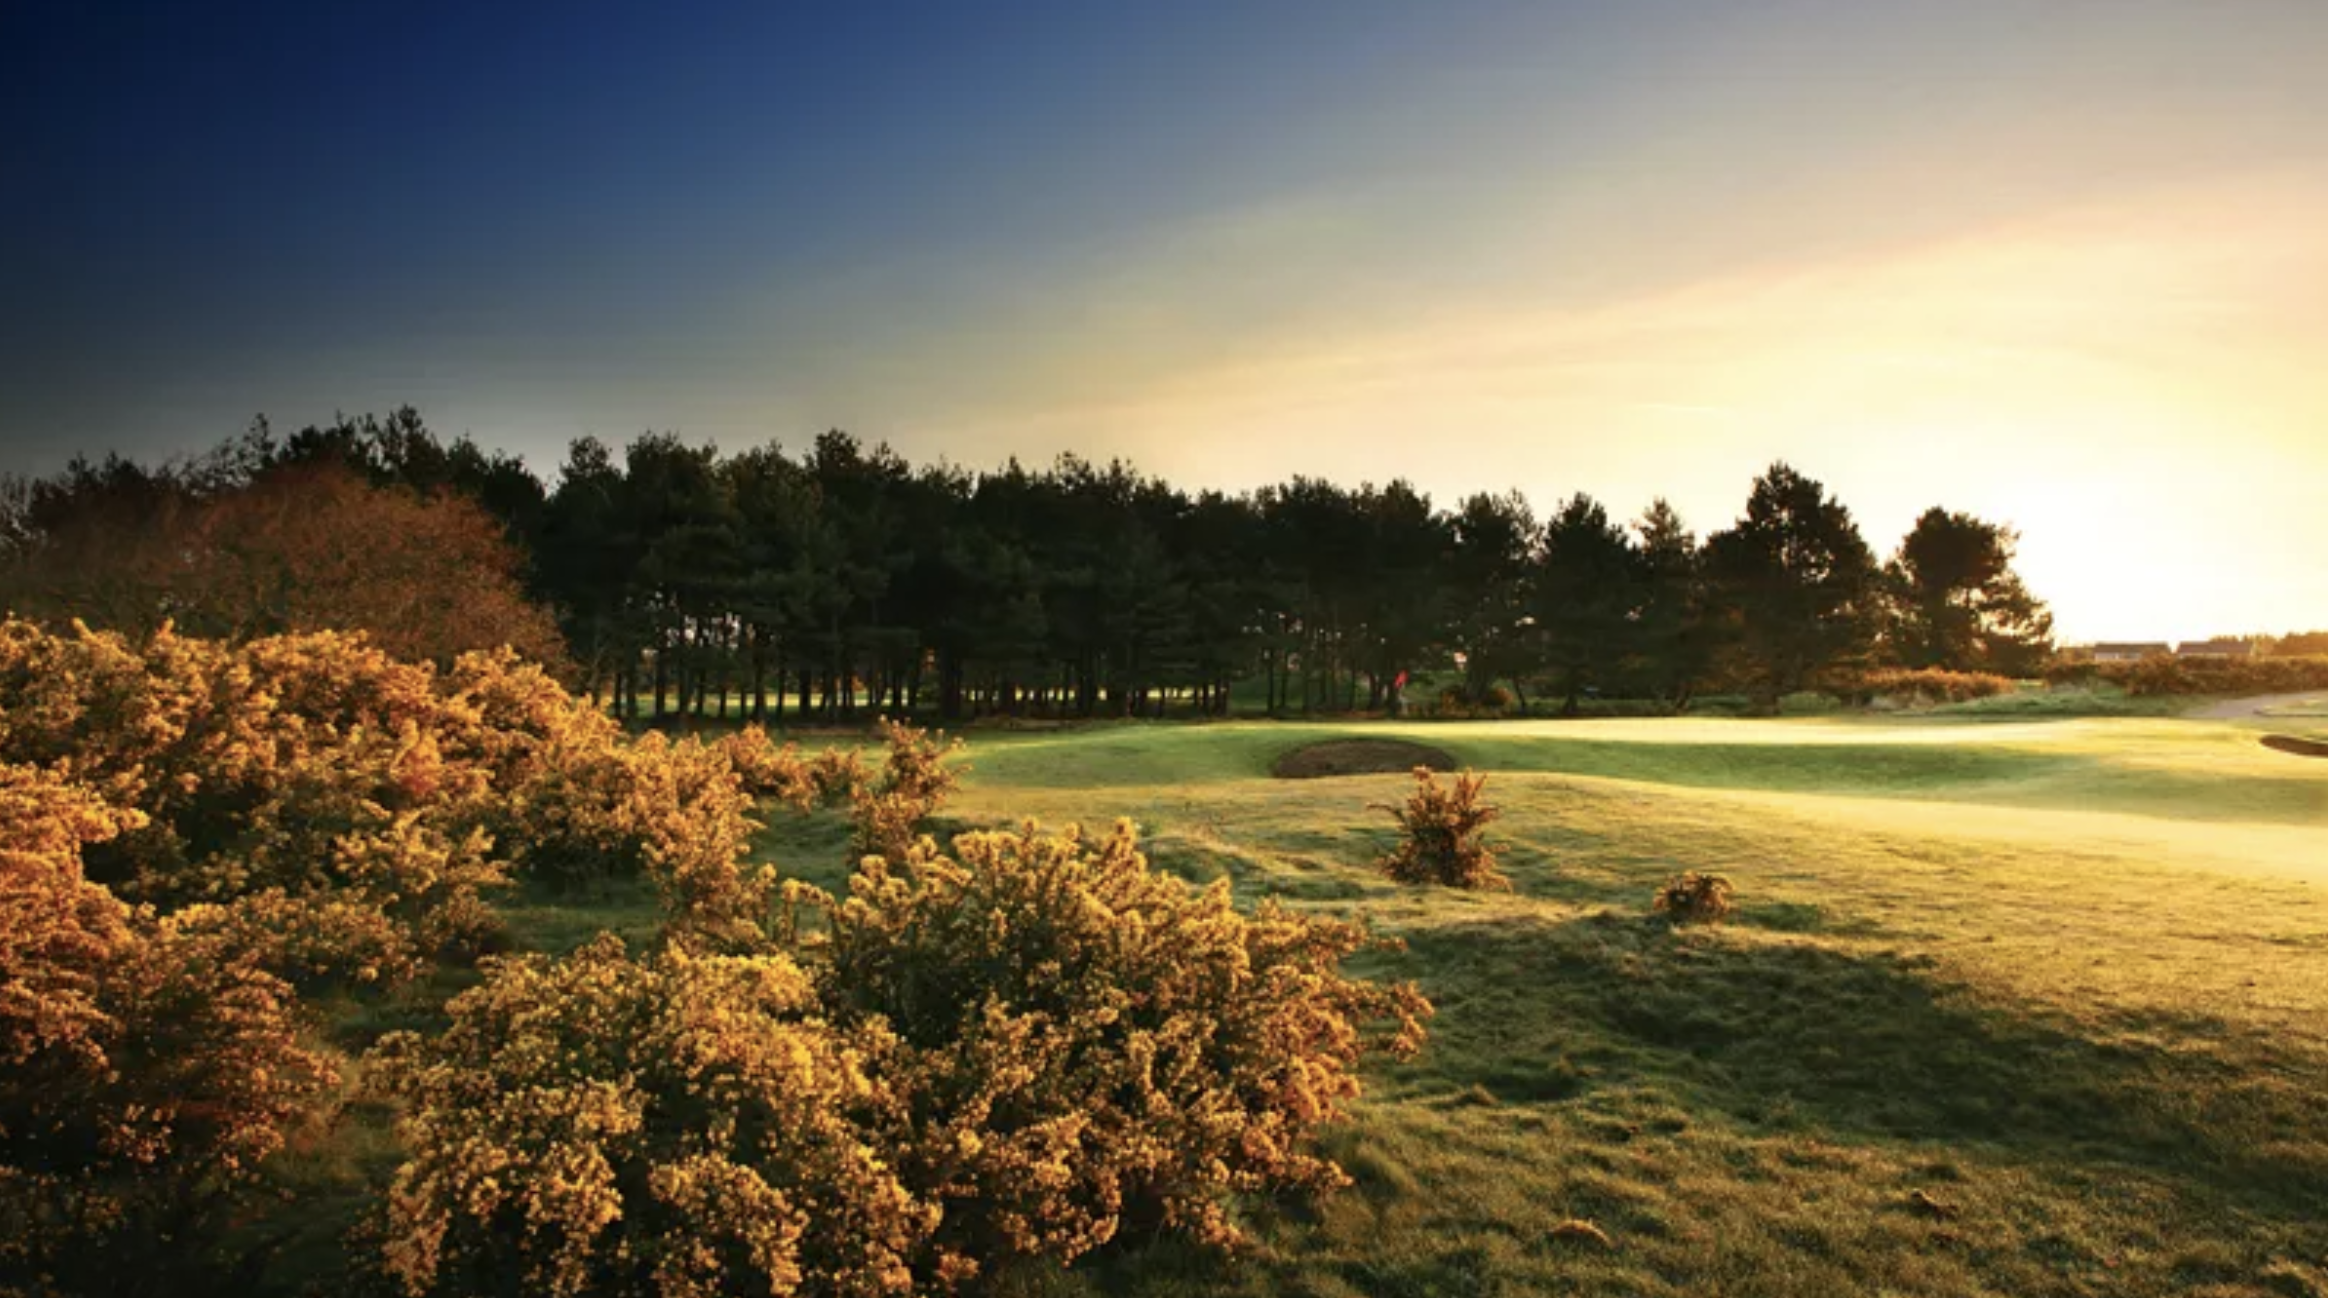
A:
(2015, 1008)
(2012, 1007)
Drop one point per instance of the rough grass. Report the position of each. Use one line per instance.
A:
(2008, 1007)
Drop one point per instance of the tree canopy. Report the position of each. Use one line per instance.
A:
(840, 579)
(1796, 582)
(1958, 604)
(260, 539)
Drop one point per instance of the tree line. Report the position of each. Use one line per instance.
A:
(843, 580)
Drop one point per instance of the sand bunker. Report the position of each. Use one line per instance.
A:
(1358, 757)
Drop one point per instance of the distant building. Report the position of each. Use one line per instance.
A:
(2132, 651)
(2221, 647)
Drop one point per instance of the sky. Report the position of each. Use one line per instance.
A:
(2063, 265)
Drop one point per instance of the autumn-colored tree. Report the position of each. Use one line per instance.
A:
(299, 547)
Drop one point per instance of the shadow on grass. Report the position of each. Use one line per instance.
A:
(1786, 1036)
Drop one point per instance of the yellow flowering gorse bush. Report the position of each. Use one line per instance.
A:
(311, 793)
(1011, 1050)
(1090, 1042)
(683, 1125)
(1440, 839)
(1009, 1053)
(306, 776)
(916, 778)
(144, 1073)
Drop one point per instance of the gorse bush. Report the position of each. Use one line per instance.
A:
(2062, 670)
(1440, 827)
(829, 778)
(683, 814)
(1459, 703)
(1694, 898)
(1087, 1041)
(1003, 1054)
(2161, 674)
(194, 829)
(915, 781)
(292, 768)
(678, 1125)
(2165, 674)
(144, 1069)
(1007, 1052)
(2156, 674)
(1924, 685)
(687, 806)
(359, 809)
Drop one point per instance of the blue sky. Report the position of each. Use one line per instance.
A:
(2058, 263)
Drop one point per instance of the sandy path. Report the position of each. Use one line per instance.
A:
(2235, 709)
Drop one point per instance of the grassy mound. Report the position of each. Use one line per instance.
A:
(1358, 757)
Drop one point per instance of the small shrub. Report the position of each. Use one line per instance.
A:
(2064, 670)
(1457, 703)
(1440, 827)
(829, 778)
(2160, 674)
(1925, 685)
(1806, 703)
(915, 781)
(1695, 898)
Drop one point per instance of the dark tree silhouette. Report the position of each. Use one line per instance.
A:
(1958, 604)
(1796, 581)
(825, 585)
(1488, 580)
(1672, 642)
(1589, 590)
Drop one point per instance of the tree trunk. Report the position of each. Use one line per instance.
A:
(950, 686)
(759, 678)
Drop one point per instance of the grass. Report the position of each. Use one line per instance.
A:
(2011, 1006)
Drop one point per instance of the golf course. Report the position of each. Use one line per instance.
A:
(2007, 1006)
